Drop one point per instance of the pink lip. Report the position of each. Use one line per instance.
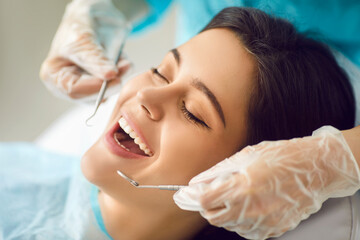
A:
(115, 148)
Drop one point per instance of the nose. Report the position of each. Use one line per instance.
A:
(153, 100)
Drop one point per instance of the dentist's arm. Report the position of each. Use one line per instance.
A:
(267, 189)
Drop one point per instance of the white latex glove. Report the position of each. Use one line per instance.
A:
(267, 189)
(84, 49)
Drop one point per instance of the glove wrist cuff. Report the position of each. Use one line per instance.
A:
(339, 161)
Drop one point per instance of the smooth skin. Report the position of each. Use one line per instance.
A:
(352, 137)
(213, 60)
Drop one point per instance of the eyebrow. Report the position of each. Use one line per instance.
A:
(199, 85)
(203, 88)
(176, 55)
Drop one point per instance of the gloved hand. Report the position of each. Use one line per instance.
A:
(84, 49)
(267, 189)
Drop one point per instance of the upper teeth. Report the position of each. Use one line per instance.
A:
(126, 127)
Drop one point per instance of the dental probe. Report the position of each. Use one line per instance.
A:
(105, 83)
(161, 187)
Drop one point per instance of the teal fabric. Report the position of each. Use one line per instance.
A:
(155, 15)
(97, 211)
(337, 22)
(44, 196)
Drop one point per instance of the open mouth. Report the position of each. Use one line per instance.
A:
(128, 139)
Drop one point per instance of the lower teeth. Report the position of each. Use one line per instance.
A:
(121, 144)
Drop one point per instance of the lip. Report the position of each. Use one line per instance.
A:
(114, 147)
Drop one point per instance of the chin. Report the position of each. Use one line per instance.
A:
(93, 167)
(88, 171)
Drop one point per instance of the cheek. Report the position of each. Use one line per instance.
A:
(135, 84)
(187, 152)
(130, 90)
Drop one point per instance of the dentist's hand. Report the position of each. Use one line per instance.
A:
(267, 189)
(84, 49)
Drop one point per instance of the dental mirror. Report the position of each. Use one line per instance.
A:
(161, 187)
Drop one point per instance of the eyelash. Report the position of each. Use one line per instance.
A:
(191, 117)
(188, 115)
(156, 72)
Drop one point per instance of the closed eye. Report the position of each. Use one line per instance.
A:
(191, 117)
(156, 72)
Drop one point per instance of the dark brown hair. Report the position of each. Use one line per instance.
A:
(299, 86)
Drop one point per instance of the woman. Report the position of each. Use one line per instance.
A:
(247, 77)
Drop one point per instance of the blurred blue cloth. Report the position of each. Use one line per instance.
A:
(336, 21)
(45, 196)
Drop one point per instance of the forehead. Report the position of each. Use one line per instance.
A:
(221, 61)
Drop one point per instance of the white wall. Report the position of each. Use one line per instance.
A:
(26, 30)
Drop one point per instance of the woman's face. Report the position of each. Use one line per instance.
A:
(190, 112)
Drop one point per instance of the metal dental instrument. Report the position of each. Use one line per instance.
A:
(105, 83)
(161, 187)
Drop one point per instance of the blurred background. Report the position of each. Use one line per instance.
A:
(26, 30)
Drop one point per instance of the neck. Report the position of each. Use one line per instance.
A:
(136, 222)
